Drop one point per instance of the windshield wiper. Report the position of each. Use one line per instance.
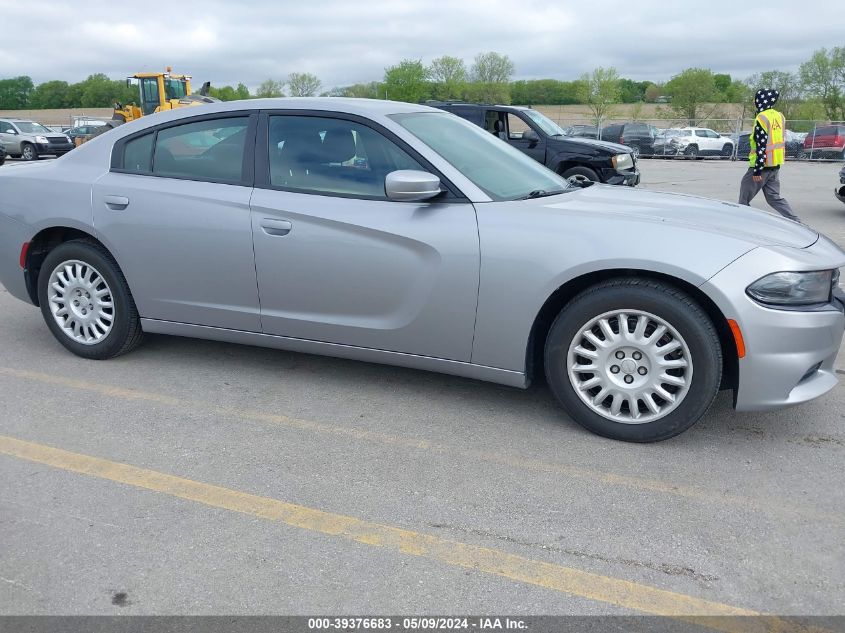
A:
(541, 193)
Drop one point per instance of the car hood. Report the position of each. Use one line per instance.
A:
(615, 148)
(724, 218)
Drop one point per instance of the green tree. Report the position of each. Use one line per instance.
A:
(632, 91)
(600, 91)
(15, 93)
(492, 68)
(407, 81)
(691, 91)
(652, 91)
(823, 77)
(227, 93)
(372, 90)
(242, 92)
(50, 94)
(303, 84)
(270, 88)
(448, 76)
(722, 82)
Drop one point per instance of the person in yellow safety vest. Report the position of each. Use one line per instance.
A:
(768, 149)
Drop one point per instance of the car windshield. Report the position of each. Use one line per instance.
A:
(502, 172)
(28, 127)
(545, 123)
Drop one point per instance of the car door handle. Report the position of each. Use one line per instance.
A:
(276, 227)
(116, 203)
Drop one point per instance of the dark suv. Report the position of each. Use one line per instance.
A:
(531, 132)
(638, 136)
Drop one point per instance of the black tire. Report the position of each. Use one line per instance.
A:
(727, 150)
(28, 152)
(581, 173)
(691, 151)
(126, 333)
(669, 304)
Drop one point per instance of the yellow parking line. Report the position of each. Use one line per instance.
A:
(774, 506)
(614, 591)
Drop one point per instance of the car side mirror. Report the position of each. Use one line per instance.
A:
(409, 185)
(11, 131)
(531, 136)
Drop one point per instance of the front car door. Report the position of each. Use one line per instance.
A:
(516, 127)
(174, 211)
(338, 262)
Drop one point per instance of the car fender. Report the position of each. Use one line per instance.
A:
(522, 267)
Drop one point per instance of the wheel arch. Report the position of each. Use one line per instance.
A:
(558, 300)
(40, 246)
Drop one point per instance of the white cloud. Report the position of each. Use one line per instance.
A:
(345, 41)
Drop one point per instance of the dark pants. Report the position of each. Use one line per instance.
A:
(771, 189)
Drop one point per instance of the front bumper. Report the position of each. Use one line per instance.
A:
(790, 354)
(54, 149)
(627, 178)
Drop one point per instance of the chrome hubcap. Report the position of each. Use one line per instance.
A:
(81, 302)
(629, 366)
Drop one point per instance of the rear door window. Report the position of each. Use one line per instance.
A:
(205, 150)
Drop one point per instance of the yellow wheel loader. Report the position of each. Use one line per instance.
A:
(158, 92)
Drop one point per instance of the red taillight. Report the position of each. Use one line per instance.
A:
(24, 252)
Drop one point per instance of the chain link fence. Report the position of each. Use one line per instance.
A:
(726, 139)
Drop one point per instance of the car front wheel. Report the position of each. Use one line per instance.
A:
(579, 175)
(28, 152)
(634, 359)
(86, 302)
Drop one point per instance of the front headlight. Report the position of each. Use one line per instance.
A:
(623, 161)
(41, 139)
(794, 289)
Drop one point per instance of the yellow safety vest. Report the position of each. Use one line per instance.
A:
(773, 122)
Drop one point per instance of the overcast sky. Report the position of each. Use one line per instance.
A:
(350, 41)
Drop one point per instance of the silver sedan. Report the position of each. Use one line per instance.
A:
(400, 234)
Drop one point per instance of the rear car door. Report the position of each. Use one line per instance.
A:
(338, 262)
(9, 138)
(174, 211)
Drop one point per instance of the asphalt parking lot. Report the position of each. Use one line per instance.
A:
(194, 477)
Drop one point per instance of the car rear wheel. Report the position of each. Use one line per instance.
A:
(579, 175)
(691, 151)
(86, 301)
(28, 152)
(634, 360)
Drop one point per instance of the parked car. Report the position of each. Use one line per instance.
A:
(827, 141)
(582, 131)
(30, 140)
(87, 132)
(638, 136)
(693, 142)
(794, 143)
(546, 142)
(839, 192)
(661, 140)
(2, 153)
(448, 251)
